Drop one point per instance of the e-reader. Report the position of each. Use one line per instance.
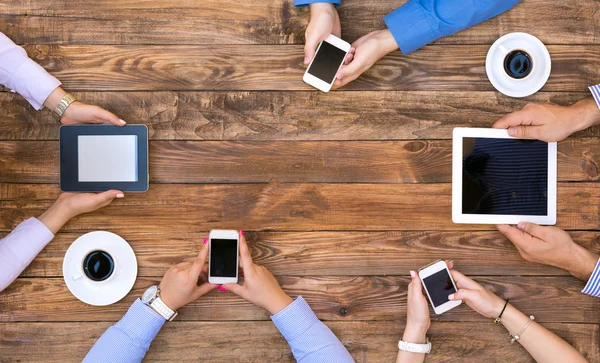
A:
(96, 158)
(499, 179)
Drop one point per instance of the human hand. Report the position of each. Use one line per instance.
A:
(80, 113)
(417, 312)
(324, 20)
(548, 122)
(551, 246)
(366, 52)
(180, 286)
(260, 287)
(476, 296)
(70, 205)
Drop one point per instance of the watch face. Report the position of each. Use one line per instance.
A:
(150, 294)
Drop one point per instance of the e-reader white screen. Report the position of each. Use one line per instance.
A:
(505, 176)
(107, 158)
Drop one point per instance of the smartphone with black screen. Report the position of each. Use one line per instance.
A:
(438, 284)
(328, 60)
(223, 260)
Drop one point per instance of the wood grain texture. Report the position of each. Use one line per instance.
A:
(330, 253)
(289, 162)
(283, 207)
(290, 116)
(332, 298)
(368, 342)
(264, 22)
(268, 68)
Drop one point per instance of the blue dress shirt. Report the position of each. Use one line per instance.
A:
(596, 93)
(420, 22)
(128, 340)
(592, 287)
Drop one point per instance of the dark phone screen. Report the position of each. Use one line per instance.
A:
(439, 286)
(223, 257)
(505, 176)
(327, 62)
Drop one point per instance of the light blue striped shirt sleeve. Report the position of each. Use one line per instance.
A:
(593, 285)
(596, 93)
(311, 340)
(128, 340)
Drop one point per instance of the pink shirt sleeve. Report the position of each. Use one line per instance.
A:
(23, 75)
(20, 247)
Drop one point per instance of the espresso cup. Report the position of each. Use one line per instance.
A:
(518, 63)
(97, 265)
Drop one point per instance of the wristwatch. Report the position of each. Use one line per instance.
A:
(152, 299)
(415, 348)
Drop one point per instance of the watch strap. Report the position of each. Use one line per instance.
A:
(415, 348)
(162, 309)
(64, 103)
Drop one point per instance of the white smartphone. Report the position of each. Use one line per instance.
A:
(327, 62)
(224, 251)
(438, 284)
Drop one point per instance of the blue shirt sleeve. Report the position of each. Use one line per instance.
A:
(419, 22)
(308, 2)
(311, 340)
(596, 93)
(593, 285)
(128, 340)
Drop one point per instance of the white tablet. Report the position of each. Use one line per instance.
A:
(498, 179)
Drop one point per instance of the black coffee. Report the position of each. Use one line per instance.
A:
(98, 265)
(518, 64)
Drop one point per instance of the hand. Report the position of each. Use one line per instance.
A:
(260, 287)
(324, 20)
(180, 286)
(417, 312)
(550, 122)
(476, 296)
(70, 205)
(367, 51)
(551, 246)
(80, 113)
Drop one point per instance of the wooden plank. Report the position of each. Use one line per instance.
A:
(261, 342)
(270, 68)
(263, 22)
(330, 253)
(289, 162)
(340, 115)
(284, 207)
(332, 298)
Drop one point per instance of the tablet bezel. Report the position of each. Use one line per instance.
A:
(457, 179)
(69, 156)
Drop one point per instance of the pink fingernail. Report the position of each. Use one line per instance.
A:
(222, 288)
(521, 226)
(120, 195)
(242, 232)
(512, 131)
(206, 240)
(122, 122)
(451, 297)
(306, 60)
(413, 274)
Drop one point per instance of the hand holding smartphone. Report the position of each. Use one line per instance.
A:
(223, 262)
(328, 60)
(438, 284)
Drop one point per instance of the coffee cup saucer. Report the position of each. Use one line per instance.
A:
(494, 65)
(115, 287)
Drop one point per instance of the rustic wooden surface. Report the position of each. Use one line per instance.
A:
(341, 193)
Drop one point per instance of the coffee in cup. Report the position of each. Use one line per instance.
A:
(98, 265)
(518, 64)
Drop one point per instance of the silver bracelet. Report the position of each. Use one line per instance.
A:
(518, 336)
(64, 103)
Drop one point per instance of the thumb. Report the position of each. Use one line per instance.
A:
(105, 116)
(310, 48)
(463, 294)
(351, 69)
(526, 132)
(203, 290)
(531, 229)
(236, 289)
(105, 198)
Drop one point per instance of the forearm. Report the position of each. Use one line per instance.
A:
(586, 113)
(23, 75)
(55, 217)
(412, 335)
(128, 340)
(20, 247)
(309, 339)
(543, 345)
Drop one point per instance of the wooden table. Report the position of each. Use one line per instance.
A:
(341, 193)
